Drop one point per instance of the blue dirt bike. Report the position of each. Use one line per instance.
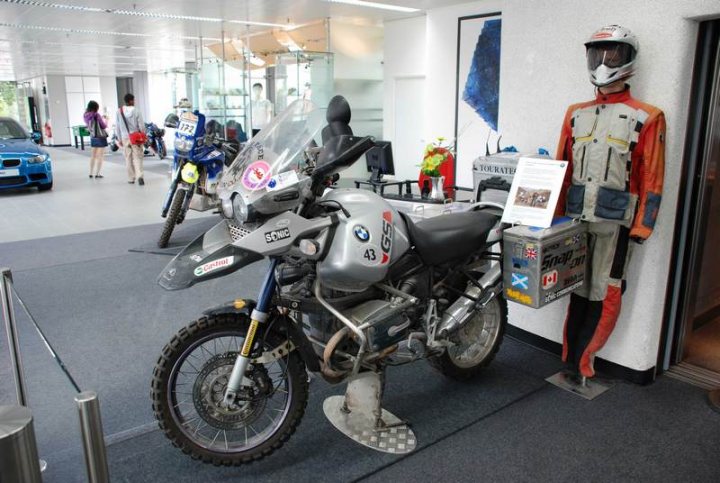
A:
(200, 156)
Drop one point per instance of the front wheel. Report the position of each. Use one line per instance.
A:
(162, 150)
(189, 383)
(172, 218)
(474, 344)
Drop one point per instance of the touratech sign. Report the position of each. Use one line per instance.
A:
(495, 169)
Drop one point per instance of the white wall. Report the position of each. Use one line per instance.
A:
(58, 109)
(542, 72)
(358, 75)
(404, 59)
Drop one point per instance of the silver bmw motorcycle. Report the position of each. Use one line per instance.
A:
(353, 286)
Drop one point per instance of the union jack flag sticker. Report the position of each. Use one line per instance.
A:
(531, 253)
(576, 238)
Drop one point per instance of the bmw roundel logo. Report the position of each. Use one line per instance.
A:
(361, 233)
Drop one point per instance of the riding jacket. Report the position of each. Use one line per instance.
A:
(616, 148)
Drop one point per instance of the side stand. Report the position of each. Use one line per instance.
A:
(579, 385)
(359, 416)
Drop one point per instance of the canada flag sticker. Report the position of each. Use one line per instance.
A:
(549, 279)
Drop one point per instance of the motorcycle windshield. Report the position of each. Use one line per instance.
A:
(274, 159)
(211, 255)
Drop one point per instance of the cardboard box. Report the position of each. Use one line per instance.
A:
(543, 265)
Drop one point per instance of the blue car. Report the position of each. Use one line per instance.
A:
(22, 162)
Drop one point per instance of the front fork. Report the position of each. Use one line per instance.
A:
(259, 315)
(172, 189)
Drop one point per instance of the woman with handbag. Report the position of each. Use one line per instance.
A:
(98, 137)
(130, 132)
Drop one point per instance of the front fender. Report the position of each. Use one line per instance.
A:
(232, 307)
(209, 256)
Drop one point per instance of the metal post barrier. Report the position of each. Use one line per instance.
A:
(19, 460)
(87, 403)
(92, 437)
(11, 331)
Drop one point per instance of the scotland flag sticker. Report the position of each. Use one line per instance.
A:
(361, 233)
(520, 281)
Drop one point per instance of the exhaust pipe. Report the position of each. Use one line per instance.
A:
(459, 313)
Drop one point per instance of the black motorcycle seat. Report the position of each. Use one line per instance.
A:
(452, 236)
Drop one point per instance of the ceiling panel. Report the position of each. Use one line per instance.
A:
(37, 38)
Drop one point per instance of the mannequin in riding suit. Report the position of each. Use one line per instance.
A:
(616, 148)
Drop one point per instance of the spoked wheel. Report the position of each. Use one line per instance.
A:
(189, 384)
(172, 219)
(476, 343)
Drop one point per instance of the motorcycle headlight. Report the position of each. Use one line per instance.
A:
(183, 144)
(227, 208)
(240, 209)
(41, 158)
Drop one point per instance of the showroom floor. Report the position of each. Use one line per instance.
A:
(91, 287)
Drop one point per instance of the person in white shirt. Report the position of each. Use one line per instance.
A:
(262, 109)
(129, 120)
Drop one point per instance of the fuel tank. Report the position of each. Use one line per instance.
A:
(365, 244)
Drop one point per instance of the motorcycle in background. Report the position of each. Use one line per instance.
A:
(113, 142)
(352, 286)
(198, 163)
(155, 142)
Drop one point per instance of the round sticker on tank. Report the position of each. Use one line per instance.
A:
(369, 254)
(256, 176)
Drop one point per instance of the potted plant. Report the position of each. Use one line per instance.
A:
(436, 153)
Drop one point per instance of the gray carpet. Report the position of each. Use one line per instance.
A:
(99, 305)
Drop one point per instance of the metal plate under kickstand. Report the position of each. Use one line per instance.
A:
(354, 415)
(571, 382)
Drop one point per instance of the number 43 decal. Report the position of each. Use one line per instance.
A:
(370, 255)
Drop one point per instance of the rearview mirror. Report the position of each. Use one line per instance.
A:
(36, 137)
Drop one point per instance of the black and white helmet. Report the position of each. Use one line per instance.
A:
(611, 53)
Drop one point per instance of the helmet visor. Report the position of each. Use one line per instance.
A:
(610, 54)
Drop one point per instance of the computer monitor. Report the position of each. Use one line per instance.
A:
(379, 161)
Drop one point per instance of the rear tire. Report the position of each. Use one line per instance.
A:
(168, 411)
(172, 218)
(451, 366)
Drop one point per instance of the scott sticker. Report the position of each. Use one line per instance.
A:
(518, 296)
(277, 235)
(214, 265)
(256, 176)
(387, 235)
(549, 279)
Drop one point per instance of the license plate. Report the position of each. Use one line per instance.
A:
(4, 173)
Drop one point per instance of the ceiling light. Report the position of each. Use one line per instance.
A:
(93, 32)
(383, 6)
(139, 13)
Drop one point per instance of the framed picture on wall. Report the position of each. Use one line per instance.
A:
(477, 89)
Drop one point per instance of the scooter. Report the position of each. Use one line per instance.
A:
(352, 286)
(197, 167)
(155, 142)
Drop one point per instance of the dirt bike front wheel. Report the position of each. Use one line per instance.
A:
(172, 218)
(189, 382)
(475, 344)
